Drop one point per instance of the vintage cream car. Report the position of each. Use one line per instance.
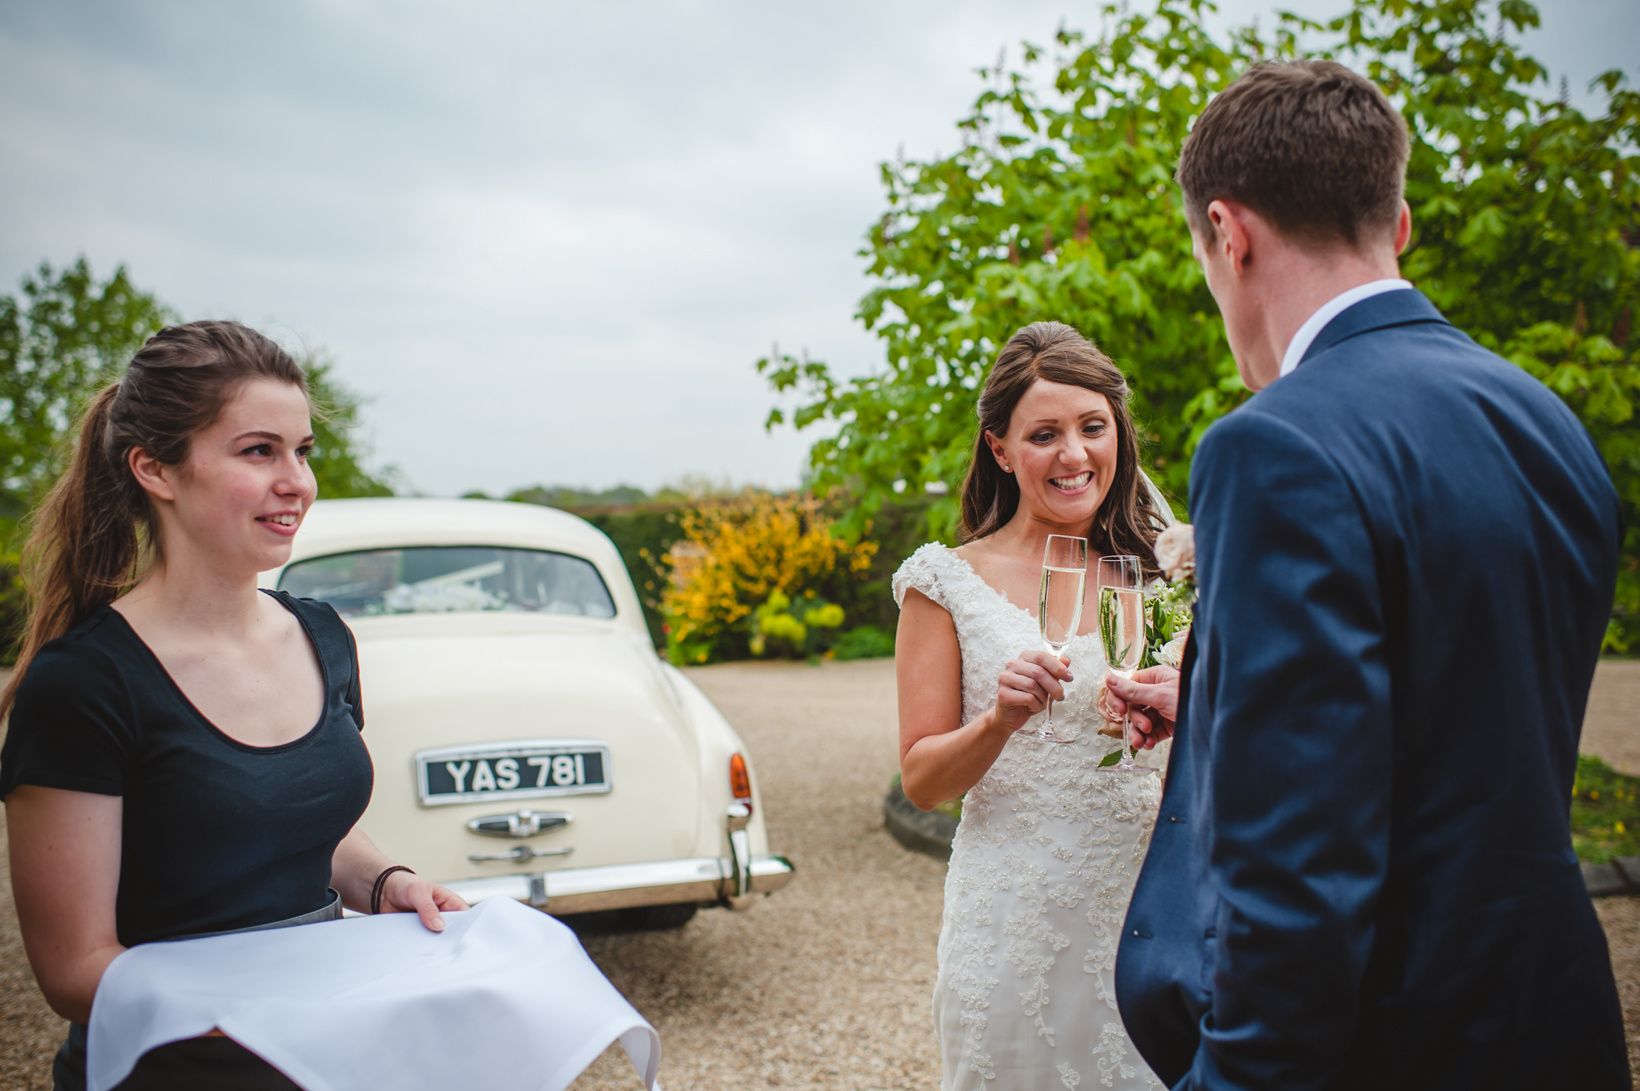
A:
(528, 742)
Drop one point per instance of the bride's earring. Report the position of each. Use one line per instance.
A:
(1007, 469)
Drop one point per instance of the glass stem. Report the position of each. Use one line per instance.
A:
(1049, 721)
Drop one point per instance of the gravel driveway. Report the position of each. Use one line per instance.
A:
(826, 984)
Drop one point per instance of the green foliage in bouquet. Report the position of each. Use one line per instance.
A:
(1169, 608)
(1060, 205)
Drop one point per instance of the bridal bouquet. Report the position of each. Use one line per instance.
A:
(1168, 605)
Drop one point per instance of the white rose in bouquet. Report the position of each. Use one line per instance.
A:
(1176, 552)
(1172, 653)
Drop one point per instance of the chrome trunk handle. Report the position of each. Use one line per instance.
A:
(524, 823)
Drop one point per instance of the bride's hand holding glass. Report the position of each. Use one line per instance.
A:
(1027, 683)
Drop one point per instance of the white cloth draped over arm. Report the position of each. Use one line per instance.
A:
(505, 999)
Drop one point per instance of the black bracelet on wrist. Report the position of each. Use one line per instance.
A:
(381, 887)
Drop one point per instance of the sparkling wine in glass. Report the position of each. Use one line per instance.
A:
(1122, 631)
(1059, 607)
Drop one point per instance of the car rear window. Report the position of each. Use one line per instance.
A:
(451, 579)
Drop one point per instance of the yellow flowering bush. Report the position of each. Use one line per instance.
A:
(736, 555)
(776, 620)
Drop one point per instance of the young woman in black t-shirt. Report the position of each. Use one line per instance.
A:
(184, 752)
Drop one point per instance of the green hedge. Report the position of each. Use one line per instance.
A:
(643, 533)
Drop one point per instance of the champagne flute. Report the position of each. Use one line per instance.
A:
(1122, 631)
(1059, 608)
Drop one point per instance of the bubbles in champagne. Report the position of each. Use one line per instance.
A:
(1060, 605)
(1122, 627)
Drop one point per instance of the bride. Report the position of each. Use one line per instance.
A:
(1049, 846)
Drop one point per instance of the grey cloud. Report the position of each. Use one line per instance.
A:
(548, 239)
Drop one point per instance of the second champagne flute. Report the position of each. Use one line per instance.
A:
(1059, 608)
(1122, 631)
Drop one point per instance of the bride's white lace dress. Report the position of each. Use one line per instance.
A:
(1041, 871)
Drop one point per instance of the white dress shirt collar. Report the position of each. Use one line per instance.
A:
(1330, 310)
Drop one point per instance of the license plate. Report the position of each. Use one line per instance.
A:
(526, 769)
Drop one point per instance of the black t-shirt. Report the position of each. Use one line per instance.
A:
(217, 835)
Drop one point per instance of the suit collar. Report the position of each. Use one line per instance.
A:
(1378, 312)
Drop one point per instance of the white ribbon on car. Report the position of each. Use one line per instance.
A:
(504, 998)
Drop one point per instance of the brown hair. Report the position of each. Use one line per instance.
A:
(1312, 147)
(1127, 522)
(94, 534)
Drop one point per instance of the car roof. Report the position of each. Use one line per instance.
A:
(336, 526)
(388, 522)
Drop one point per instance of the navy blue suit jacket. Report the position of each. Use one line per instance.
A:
(1362, 874)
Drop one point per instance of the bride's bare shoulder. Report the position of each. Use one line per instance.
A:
(983, 556)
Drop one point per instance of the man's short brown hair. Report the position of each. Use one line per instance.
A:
(1312, 147)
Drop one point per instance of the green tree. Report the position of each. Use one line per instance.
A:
(66, 336)
(338, 451)
(1526, 215)
(1061, 205)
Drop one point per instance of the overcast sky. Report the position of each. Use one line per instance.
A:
(547, 240)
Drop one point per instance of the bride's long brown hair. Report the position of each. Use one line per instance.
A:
(1127, 522)
(94, 535)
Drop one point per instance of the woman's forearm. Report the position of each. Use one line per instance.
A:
(353, 872)
(354, 868)
(65, 877)
(943, 766)
(70, 988)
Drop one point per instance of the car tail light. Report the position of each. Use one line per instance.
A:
(740, 781)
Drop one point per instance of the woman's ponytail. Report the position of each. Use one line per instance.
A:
(92, 537)
(82, 550)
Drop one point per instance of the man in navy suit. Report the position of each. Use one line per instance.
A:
(1362, 874)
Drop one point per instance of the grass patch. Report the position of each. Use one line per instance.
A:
(1605, 812)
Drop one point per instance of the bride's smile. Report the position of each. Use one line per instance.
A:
(1061, 446)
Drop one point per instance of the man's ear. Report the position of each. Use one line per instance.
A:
(154, 476)
(1403, 229)
(1233, 237)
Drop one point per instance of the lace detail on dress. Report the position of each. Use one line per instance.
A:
(1041, 871)
(921, 570)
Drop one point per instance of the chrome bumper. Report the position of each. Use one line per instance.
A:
(703, 880)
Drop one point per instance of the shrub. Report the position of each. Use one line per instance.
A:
(777, 628)
(866, 642)
(734, 557)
